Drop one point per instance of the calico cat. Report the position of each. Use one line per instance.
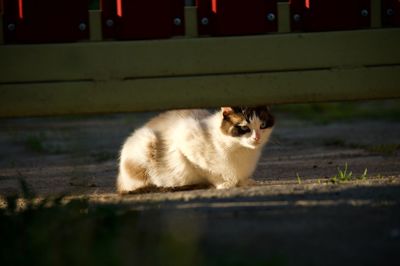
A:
(190, 147)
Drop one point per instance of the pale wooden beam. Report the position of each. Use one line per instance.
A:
(198, 56)
(191, 27)
(91, 97)
(95, 23)
(376, 13)
(283, 17)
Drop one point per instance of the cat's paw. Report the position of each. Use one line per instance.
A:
(226, 185)
(248, 183)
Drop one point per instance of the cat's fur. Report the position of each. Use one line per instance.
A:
(188, 147)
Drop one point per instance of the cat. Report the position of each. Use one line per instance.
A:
(190, 147)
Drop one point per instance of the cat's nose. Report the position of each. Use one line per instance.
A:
(256, 136)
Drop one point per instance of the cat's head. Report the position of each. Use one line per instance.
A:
(249, 127)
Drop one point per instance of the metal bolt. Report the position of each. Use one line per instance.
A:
(11, 27)
(82, 27)
(271, 17)
(364, 12)
(296, 17)
(390, 12)
(204, 21)
(177, 21)
(109, 23)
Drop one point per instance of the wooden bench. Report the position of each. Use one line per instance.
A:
(99, 75)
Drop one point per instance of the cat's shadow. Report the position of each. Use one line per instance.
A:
(155, 189)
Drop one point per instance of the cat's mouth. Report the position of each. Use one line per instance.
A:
(253, 144)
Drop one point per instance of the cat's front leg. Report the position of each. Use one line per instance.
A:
(248, 182)
(226, 184)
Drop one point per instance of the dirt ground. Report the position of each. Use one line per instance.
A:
(301, 212)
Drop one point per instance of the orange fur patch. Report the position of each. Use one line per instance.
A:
(136, 171)
(230, 121)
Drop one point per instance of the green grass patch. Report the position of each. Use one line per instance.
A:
(39, 142)
(388, 149)
(345, 175)
(298, 178)
(342, 111)
(35, 143)
(384, 149)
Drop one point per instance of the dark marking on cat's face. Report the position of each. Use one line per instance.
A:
(230, 121)
(263, 112)
(249, 127)
(236, 120)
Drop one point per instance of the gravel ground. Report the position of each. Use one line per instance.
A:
(297, 214)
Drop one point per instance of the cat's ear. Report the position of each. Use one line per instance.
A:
(227, 111)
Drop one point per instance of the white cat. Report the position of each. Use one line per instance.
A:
(189, 147)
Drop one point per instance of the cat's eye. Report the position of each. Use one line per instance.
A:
(244, 128)
(241, 130)
(263, 125)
